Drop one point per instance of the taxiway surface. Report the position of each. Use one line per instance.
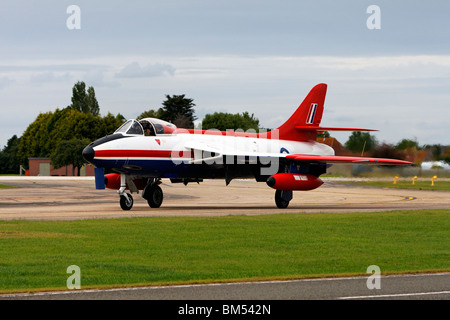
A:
(64, 198)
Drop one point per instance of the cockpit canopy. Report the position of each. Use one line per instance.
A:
(146, 127)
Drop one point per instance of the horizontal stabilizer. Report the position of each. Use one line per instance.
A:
(322, 129)
(345, 159)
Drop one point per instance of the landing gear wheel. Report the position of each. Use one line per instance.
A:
(126, 204)
(280, 202)
(155, 197)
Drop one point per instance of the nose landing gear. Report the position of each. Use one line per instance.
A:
(126, 201)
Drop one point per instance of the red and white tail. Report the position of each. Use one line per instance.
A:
(303, 124)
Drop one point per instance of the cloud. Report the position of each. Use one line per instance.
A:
(49, 77)
(134, 70)
(99, 78)
(4, 82)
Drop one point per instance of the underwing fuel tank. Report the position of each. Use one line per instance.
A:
(294, 181)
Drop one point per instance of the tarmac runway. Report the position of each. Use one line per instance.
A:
(64, 198)
(414, 286)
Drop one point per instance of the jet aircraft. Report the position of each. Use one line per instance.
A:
(140, 153)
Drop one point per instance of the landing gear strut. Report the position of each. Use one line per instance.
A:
(126, 200)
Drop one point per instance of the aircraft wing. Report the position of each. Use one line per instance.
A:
(345, 159)
(204, 152)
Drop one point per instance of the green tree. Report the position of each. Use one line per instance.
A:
(223, 121)
(150, 114)
(8, 156)
(43, 135)
(178, 110)
(113, 122)
(436, 151)
(407, 144)
(84, 101)
(33, 140)
(360, 142)
(92, 103)
(324, 134)
(69, 152)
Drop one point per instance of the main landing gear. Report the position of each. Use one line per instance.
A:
(152, 192)
(282, 198)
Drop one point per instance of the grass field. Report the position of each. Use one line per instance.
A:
(34, 255)
(4, 186)
(406, 184)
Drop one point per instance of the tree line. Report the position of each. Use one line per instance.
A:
(364, 143)
(62, 134)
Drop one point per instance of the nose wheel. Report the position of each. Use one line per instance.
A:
(126, 201)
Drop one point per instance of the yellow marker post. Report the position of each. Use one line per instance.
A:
(395, 179)
(432, 180)
(414, 180)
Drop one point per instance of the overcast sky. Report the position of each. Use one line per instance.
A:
(233, 56)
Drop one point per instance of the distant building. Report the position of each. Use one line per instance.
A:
(43, 167)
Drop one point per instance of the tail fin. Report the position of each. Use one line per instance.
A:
(308, 114)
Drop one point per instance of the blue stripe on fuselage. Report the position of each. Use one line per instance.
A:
(156, 168)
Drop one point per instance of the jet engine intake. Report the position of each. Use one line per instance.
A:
(112, 181)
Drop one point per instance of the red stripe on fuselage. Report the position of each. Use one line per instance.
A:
(263, 135)
(142, 154)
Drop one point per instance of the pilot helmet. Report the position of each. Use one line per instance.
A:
(145, 125)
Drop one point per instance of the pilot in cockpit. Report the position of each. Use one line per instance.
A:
(148, 128)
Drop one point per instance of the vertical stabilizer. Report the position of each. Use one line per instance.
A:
(308, 114)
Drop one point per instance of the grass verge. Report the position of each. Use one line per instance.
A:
(4, 186)
(35, 255)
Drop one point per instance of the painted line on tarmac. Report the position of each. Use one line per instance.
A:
(395, 295)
